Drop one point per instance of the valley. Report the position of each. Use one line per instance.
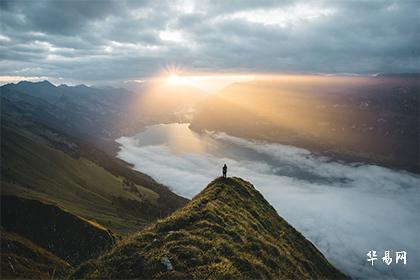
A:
(109, 159)
(330, 202)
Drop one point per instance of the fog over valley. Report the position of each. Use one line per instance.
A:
(345, 209)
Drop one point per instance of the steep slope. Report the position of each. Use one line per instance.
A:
(52, 159)
(98, 116)
(227, 231)
(121, 202)
(22, 259)
(69, 237)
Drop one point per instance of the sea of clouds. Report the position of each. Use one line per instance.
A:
(346, 210)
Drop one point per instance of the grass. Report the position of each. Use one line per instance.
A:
(228, 231)
(67, 236)
(33, 169)
(21, 258)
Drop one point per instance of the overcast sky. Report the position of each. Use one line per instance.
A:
(97, 41)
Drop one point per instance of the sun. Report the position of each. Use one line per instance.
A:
(206, 82)
(173, 78)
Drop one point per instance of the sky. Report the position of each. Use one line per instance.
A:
(104, 41)
(346, 210)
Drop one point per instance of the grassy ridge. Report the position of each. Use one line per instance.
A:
(227, 231)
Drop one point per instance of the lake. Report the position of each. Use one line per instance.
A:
(346, 210)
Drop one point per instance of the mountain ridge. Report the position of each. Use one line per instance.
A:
(227, 231)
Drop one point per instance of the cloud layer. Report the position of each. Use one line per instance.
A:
(346, 210)
(97, 41)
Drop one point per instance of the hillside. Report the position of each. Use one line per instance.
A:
(69, 237)
(22, 259)
(64, 196)
(121, 202)
(96, 115)
(51, 150)
(227, 231)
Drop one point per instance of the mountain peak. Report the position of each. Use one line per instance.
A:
(82, 86)
(227, 231)
(42, 89)
(46, 82)
(43, 83)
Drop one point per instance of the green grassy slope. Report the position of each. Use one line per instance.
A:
(228, 231)
(32, 169)
(22, 259)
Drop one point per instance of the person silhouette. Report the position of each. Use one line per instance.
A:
(224, 170)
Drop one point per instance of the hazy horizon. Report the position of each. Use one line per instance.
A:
(224, 79)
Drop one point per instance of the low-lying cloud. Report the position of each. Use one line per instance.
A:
(345, 210)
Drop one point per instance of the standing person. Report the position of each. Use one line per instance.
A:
(224, 170)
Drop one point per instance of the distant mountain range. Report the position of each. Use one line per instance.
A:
(357, 119)
(80, 111)
(96, 115)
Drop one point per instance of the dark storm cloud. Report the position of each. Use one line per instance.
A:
(59, 17)
(117, 40)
